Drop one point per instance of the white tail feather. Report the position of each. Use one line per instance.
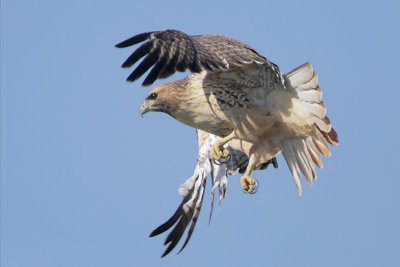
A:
(303, 82)
(321, 143)
(289, 153)
(323, 125)
(314, 152)
(311, 84)
(316, 109)
(313, 96)
(308, 160)
(301, 75)
(302, 153)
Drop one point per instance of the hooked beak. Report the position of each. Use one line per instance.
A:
(144, 109)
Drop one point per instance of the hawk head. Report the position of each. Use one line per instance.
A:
(162, 98)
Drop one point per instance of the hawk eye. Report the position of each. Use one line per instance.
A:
(152, 96)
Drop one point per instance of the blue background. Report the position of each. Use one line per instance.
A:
(84, 179)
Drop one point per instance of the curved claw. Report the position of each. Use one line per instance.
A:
(222, 160)
(252, 188)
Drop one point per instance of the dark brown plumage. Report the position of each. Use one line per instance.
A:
(170, 51)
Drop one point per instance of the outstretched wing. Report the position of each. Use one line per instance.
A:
(171, 50)
(192, 190)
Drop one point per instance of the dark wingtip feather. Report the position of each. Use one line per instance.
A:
(168, 224)
(147, 83)
(194, 221)
(155, 71)
(171, 246)
(176, 234)
(132, 77)
(155, 232)
(146, 64)
(165, 226)
(138, 54)
(167, 251)
(134, 40)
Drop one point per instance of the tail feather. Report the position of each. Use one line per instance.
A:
(302, 153)
(323, 124)
(321, 143)
(288, 153)
(311, 84)
(298, 158)
(304, 160)
(314, 152)
(331, 137)
(309, 160)
(312, 96)
(302, 76)
(317, 109)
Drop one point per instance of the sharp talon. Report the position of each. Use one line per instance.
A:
(222, 160)
(251, 188)
(225, 153)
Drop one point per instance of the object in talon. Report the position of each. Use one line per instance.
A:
(223, 159)
(249, 184)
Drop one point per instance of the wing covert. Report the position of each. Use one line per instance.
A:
(171, 50)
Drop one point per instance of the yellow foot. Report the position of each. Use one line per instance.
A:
(216, 152)
(249, 185)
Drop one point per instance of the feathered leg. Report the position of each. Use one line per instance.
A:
(218, 151)
(249, 184)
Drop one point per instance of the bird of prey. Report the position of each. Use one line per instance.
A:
(192, 190)
(239, 95)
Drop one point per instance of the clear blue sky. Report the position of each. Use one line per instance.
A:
(84, 179)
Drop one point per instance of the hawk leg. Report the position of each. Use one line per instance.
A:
(217, 151)
(249, 184)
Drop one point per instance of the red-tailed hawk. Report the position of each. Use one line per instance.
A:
(192, 190)
(236, 93)
(239, 95)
